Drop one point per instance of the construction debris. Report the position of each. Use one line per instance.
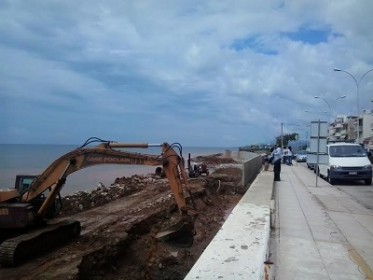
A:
(120, 222)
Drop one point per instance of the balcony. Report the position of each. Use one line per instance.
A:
(338, 125)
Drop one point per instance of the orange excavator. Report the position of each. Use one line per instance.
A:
(27, 211)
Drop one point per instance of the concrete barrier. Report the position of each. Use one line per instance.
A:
(251, 165)
(251, 168)
(240, 248)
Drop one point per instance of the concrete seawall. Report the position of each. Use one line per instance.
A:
(240, 248)
(251, 165)
(251, 168)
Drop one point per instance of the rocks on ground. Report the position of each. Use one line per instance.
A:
(225, 170)
(118, 244)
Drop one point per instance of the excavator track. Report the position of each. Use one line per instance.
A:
(17, 250)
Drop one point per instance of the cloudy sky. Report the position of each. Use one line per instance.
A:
(202, 73)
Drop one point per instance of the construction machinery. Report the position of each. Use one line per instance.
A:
(27, 211)
(197, 170)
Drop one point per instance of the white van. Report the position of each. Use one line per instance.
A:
(346, 161)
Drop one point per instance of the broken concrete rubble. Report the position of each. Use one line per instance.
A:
(119, 224)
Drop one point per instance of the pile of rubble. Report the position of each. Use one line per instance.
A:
(214, 159)
(85, 200)
(120, 222)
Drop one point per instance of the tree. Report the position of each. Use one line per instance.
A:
(287, 138)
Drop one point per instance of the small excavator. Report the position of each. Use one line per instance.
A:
(27, 211)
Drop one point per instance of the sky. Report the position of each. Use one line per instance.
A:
(202, 73)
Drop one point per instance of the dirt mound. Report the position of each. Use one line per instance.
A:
(214, 159)
(121, 187)
(120, 222)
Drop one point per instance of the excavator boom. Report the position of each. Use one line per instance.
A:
(17, 214)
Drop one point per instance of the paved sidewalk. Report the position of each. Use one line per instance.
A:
(320, 232)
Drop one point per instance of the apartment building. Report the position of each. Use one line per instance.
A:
(358, 128)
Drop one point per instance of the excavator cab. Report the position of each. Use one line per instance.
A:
(23, 182)
(22, 215)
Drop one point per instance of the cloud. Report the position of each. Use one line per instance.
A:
(210, 73)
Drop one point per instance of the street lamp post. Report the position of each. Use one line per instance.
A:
(282, 135)
(312, 112)
(357, 93)
(327, 103)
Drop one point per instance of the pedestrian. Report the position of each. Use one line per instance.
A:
(277, 157)
(265, 161)
(285, 152)
(290, 156)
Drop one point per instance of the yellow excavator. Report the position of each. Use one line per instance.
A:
(27, 211)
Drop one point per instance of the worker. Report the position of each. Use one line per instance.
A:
(277, 157)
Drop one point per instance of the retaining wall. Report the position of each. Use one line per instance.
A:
(251, 168)
(240, 248)
(251, 165)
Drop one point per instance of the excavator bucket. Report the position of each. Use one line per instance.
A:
(180, 234)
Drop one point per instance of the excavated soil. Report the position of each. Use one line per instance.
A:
(120, 222)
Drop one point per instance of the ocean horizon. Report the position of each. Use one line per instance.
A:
(33, 159)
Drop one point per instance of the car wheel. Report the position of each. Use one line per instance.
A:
(368, 181)
(330, 180)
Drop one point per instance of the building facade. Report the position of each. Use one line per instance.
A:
(358, 128)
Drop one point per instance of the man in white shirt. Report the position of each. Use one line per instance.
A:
(277, 153)
(285, 153)
(290, 156)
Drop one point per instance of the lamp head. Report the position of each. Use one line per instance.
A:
(337, 69)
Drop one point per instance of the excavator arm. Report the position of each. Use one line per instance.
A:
(54, 177)
(60, 169)
(23, 214)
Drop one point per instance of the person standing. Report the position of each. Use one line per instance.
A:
(285, 153)
(265, 161)
(277, 156)
(290, 156)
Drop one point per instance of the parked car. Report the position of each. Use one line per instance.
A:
(346, 161)
(301, 156)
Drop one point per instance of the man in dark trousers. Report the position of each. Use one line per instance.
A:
(277, 154)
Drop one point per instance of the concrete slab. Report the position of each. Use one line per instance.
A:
(337, 261)
(342, 204)
(234, 251)
(298, 258)
(358, 236)
(240, 247)
(318, 231)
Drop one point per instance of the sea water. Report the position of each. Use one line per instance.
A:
(34, 159)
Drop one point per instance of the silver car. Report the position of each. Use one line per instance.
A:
(301, 156)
